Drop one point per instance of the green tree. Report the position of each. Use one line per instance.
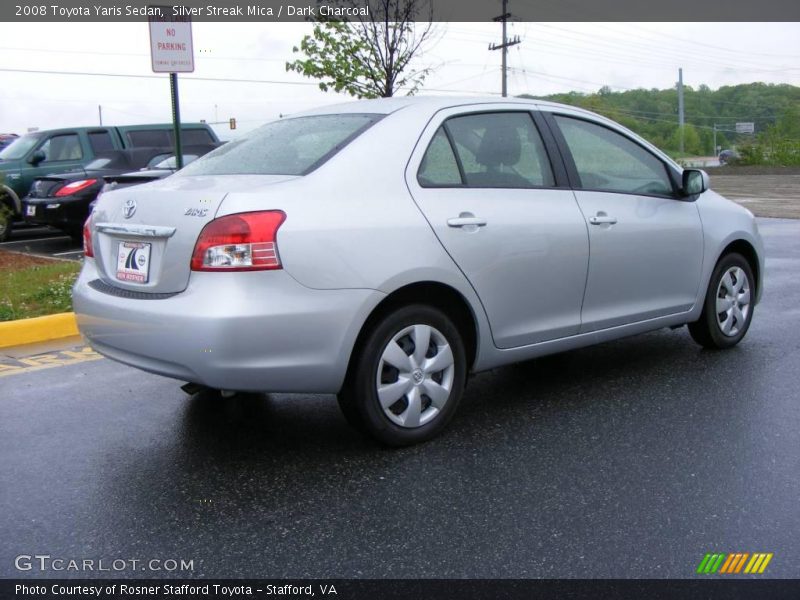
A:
(691, 140)
(370, 57)
(788, 124)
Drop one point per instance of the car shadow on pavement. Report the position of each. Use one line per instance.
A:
(612, 374)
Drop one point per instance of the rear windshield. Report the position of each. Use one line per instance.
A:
(287, 147)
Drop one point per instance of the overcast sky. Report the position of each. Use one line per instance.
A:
(553, 57)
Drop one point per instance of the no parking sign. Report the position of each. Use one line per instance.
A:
(171, 48)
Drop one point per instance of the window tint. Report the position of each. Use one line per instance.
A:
(439, 166)
(149, 137)
(100, 141)
(62, 147)
(195, 137)
(286, 147)
(501, 150)
(611, 162)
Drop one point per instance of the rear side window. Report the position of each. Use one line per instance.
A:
(62, 147)
(149, 137)
(609, 161)
(286, 147)
(100, 141)
(494, 150)
(195, 137)
(439, 166)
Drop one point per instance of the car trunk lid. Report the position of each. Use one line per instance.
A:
(144, 236)
(45, 187)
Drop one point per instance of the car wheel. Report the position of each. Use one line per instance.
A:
(75, 234)
(728, 307)
(6, 218)
(407, 377)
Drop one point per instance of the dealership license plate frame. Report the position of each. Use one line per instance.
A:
(133, 261)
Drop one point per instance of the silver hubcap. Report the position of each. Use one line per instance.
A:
(415, 375)
(733, 301)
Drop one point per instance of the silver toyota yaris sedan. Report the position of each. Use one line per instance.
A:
(382, 250)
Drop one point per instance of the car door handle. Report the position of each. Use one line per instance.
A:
(465, 221)
(602, 220)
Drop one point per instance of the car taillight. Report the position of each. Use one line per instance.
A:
(239, 242)
(75, 186)
(88, 250)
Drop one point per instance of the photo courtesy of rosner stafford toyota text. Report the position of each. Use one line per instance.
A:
(400, 299)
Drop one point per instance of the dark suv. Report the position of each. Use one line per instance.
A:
(56, 151)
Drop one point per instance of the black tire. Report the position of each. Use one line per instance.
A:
(707, 330)
(6, 220)
(75, 234)
(359, 400)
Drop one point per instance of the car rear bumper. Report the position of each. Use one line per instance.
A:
(250, 331)
(49, 211)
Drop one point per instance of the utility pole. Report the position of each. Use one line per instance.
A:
(725, 128)
(100, 113)
(680, 105)
(505, 45)
(714, 151)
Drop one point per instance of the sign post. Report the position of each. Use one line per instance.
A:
(171, 52)
(176, 119)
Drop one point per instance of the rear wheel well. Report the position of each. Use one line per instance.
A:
(429, 293)
(744, 248)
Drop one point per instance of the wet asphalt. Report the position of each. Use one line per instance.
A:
(42, 241)
(629, 459)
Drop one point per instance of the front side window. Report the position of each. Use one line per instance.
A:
(62, 147)
(609, 161)
(287, 147)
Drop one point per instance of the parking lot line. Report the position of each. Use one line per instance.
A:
(30, 240)
(70, 252)
(16, 366)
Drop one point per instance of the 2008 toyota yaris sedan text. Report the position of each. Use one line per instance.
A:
(384, 249)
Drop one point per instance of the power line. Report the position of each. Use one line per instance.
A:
(696, 43)
(218, 79)
(671, 52)
(135, 76)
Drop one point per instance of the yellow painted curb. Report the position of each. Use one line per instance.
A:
(38, 329)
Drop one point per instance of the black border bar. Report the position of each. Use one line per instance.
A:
(404, 589)
(107, 11)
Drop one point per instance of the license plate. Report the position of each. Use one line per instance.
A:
(133, 262)
(30, 211)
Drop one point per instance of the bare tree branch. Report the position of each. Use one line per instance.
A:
(372, 55)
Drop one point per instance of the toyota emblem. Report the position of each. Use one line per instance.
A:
(129, 208)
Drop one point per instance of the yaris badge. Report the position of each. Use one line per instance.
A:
(129, 208)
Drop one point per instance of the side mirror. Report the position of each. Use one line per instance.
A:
(37, 157)
(695, 182)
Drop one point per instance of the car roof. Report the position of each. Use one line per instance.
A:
(430, 104)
